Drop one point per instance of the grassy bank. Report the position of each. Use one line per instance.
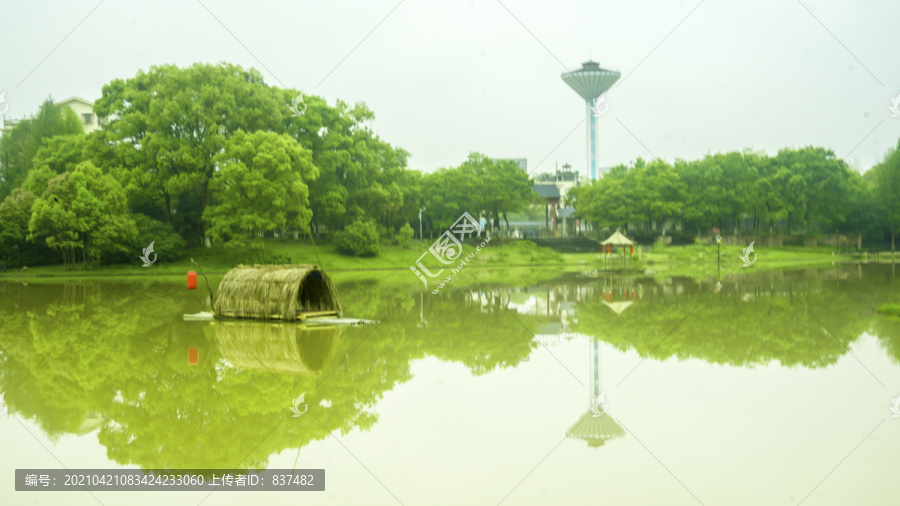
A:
(892, 310)
(700, 260)
(692, 260)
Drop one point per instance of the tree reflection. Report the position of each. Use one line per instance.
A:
(114, 355)
(117, 358)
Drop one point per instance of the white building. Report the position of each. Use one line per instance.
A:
(83, 108)
(85, 111)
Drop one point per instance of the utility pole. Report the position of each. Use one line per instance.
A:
(420, 222)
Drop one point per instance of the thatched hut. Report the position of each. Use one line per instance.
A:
(279, 292)
(277, 347)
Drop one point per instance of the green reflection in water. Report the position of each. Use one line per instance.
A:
(113, 356)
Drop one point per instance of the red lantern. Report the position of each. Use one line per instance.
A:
(632, 249)
(193, 355)
(191, 280)
(632, 295)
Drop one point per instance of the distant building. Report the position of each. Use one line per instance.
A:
(553, 189)
(521, 162)
(85, 111)
(550, 194)
(83, 108)
(564, 180)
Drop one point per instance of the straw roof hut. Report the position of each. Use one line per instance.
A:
(279, 292)
(277, 347)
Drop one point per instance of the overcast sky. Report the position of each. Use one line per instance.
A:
(448, 77)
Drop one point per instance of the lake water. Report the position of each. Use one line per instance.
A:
(773, 389)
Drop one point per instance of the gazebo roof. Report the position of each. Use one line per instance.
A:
(617, 239)
(618, 307)
(595, 430)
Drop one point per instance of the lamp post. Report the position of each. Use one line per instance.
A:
(718, 252)
(420, 222)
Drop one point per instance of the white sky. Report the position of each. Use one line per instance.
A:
(448, 77)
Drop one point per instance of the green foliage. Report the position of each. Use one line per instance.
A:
(890, 310)
(19, 146)
(402, 237)
(15, 211)
(172, 123)
(887, 192)
(739, 192)
(260, 185)
(263, 257)
(38, 180)
(479, 186)
(360, 238)
(167, 244)
(82, 210)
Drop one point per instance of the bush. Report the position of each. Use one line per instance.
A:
(403, 237)
(360, 238)
(167, 244)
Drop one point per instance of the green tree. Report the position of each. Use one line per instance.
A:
(82, 210)
(261, 184)
(173, 122)
(15, 211)
(19, 146)
(887, 192)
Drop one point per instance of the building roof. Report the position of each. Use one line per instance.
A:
(547, 191)
(566, 212)
(75, 99)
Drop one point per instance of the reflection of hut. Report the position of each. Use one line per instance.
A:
(596, 430)
(277, 347)
(280, 292)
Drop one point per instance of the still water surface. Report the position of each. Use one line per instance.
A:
(774, 389)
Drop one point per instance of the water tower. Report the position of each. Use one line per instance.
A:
(591, 81)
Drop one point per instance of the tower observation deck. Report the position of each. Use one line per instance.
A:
(591, 81)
